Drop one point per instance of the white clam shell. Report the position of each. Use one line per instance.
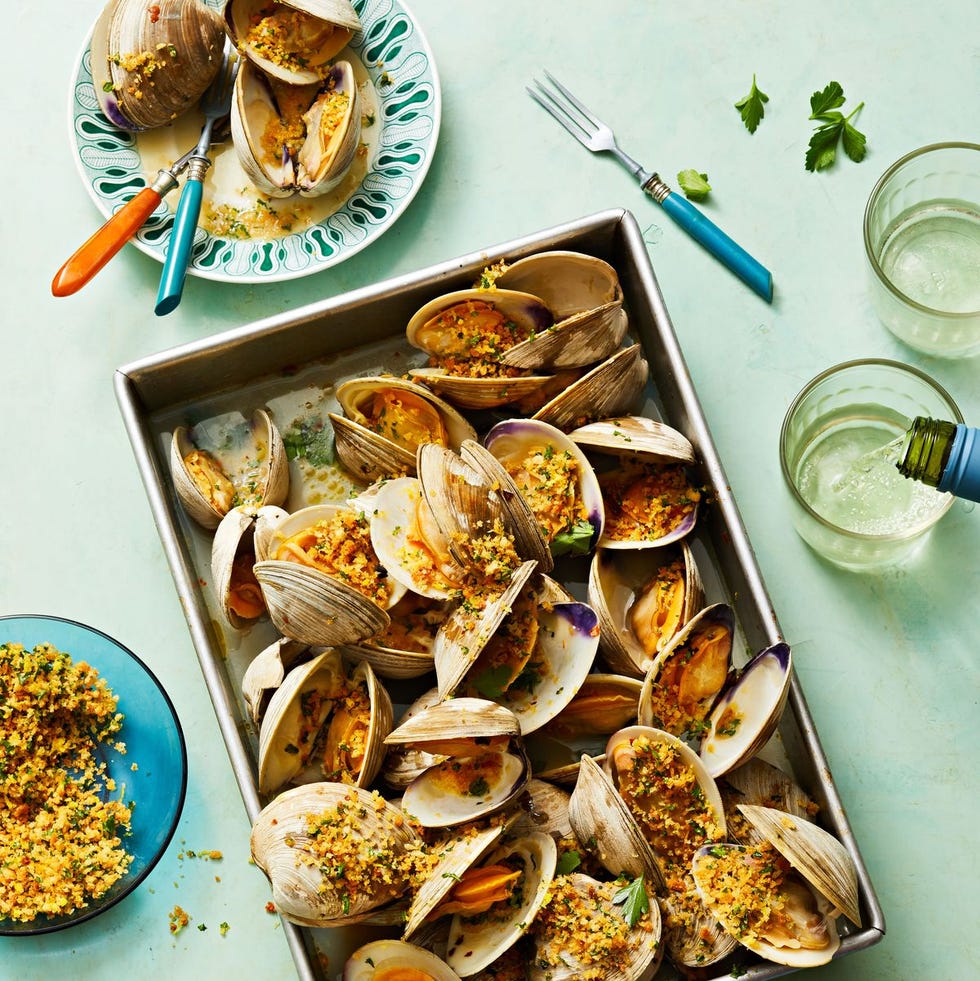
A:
(730, 918)
(379, 957)
(327, 153)
(617, 579)
(753, 706)
(474, 945)
(282, 847)
(183, 44)
(331, 25)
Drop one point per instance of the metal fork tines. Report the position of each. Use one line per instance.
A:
(586, 127)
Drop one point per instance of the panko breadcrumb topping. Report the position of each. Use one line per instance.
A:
(761, 897)
(356, 867)
(579, 924)
(646, 502)
(548, 479)
(60, 837)
(340, 547)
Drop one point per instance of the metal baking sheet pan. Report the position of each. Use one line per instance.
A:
(290, 364)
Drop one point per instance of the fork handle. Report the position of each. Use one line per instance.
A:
(182, 238)
(702, 229)
(111, 237)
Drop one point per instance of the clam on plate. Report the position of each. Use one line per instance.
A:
(154, 745)
(390, 52)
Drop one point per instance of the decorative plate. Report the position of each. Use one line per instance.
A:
(153, 770)
(399, 66)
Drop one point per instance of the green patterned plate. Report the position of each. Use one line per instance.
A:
(390, 54)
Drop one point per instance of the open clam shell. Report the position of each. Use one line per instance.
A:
(147, 71)
(409, 542)
(650, 791)
(376, 961)
(584, 295)
(647, 505)
(556, 480)
(459, 726)
(600, 817)
(518, 517)
(296, 140)
(567, 638)
(729, 880)
(293, 40)
(320, 711)
(642, 598)
(232, 561)
(583, 906)
(757, 782)
(816, 854)
(266, 672)
(306, 582)
(301, 862)
(687, 676)
(566, 282)
(466, 788)
(455, 856)
(256, 473)
(386, 419)
(747, 714)
(467, 631)
(474, 943)
(612, 387)
(465, 333)
(455, 323)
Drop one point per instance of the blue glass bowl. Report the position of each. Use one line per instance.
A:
(154, 742)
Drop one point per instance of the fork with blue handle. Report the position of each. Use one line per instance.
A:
(596, 136)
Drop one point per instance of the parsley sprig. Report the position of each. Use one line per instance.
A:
(834, 128)
(751, 107)
(634, 900)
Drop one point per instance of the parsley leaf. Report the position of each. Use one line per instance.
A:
(752, 107)
(575, 541)
(568, 862)
(694, 185)
(492, 683)
(830, 98)
(834, 128)
(309, 438)
(634, 900)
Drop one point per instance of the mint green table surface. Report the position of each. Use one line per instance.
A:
(889, 663)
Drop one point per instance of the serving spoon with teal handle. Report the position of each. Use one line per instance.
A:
(215, 104)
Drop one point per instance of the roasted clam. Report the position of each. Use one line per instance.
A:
(325, 714)
(254, 471)
(642, 598)
(386, 419)
(151, 63)
(296, 139)
(292, 40)
(319, 845)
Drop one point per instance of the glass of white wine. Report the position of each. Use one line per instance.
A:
(922, 240)
(838, 449)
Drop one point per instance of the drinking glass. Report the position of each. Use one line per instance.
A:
(856, 514)
(922, 240)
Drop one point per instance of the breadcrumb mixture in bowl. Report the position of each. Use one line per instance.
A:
(92, 773)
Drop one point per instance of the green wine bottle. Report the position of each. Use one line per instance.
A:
(944, 455)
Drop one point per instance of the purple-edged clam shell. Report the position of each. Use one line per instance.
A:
(746, 716)
(512, 439)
